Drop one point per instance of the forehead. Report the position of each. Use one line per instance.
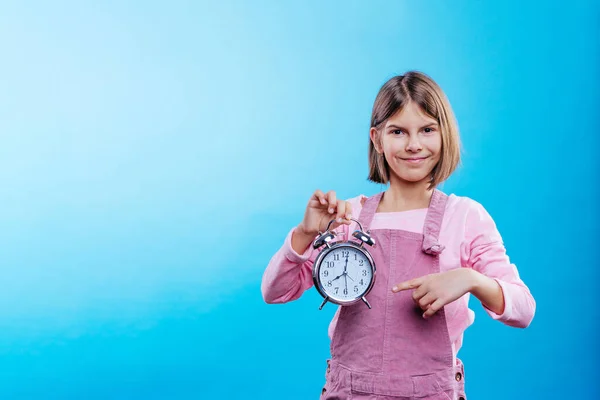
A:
(410, 115)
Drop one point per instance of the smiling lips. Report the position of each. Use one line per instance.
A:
(414, 160)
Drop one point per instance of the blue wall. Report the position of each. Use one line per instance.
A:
(153, 157)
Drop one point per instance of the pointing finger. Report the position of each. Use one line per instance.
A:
(413, 283)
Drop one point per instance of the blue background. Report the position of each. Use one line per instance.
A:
(153, 157)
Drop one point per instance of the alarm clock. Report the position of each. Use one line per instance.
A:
(344, 271)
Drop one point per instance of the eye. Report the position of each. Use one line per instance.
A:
(397, 132)
(429, 130)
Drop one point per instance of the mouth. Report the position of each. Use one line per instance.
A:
(414, 160)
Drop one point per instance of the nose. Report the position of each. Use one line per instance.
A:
(413, 144)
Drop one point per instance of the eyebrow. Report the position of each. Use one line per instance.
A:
(424, 126)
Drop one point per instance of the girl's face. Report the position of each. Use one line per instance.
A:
(411, 143)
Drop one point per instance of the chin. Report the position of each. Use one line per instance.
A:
(415, 180)
(412, 178)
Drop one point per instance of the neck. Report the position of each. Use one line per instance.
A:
(404, 196)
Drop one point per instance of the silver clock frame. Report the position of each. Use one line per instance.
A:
(324, 239)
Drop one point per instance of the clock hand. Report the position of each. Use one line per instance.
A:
(346, 273)
(346, 280)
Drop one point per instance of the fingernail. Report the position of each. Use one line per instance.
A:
(395, 288)
(323, 201)
(331, 211)
(348, 216)
(339, 220)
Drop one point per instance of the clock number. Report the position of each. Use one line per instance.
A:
(325, 273)
(346, 291)
(345, 253)
(355, 256)
(360, 263)
(328, 283)
(336, 257)
(329, 264)
(355, 289)
(364, 272)
(336, 290)
(362, 282)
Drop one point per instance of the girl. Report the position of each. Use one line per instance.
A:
(433, 251)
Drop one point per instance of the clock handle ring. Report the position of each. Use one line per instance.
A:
(352, 219)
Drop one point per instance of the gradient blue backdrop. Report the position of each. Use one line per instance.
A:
(154, 155)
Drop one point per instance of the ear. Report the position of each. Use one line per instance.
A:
(374, 134)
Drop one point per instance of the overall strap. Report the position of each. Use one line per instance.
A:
(368, 211)
(433, 223)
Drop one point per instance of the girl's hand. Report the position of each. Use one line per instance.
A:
(434, 291)
(321, 209)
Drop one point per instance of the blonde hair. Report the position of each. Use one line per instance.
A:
(423, 91)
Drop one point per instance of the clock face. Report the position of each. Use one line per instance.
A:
(345, 273)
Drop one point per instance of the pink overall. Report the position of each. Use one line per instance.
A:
(390, 351)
